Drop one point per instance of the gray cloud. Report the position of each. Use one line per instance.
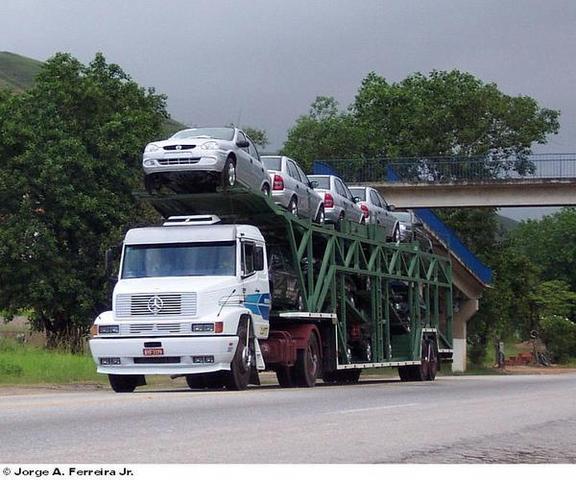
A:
(262, 62)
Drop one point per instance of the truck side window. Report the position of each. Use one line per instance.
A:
(247, 258)
(258, 258)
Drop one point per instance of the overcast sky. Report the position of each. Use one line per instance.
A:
(262, 62)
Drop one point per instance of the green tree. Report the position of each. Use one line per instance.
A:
(258, 136)
(325, 133)
(551, 243)
(70, 153)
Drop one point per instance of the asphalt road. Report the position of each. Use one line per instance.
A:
(486, 419)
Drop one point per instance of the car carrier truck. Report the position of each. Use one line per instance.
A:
(204, 296)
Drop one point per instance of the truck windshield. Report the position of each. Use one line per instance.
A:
(180, 260)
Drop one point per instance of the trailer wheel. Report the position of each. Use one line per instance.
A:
(432, 360)
(123, 383)
(308, 362)
(422, 372)
(239, 375)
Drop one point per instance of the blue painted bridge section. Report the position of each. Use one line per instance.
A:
(433, 223)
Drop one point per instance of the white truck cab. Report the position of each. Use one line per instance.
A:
(192, 299)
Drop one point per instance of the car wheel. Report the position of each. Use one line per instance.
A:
(229, 173)
(293, 206)
(340, 221)
(321, 217)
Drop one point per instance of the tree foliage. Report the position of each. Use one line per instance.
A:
(70, 149)
(258, 136)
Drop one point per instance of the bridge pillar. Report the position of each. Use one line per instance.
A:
(467, 307)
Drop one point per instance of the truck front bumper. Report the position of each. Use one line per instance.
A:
(182, 355)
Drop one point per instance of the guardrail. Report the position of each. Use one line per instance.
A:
(456, 169)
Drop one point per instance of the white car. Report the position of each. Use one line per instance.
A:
(292, 189)
(339, 202)
(377, 211)
(199, 159)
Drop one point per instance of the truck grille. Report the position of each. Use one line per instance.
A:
(178, 161)
(154, 306)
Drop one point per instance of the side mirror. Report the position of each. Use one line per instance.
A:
(357, 199)
(242, 144)
(313, 184)
(391, 208)
(111, 255)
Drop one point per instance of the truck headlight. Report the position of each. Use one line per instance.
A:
(217, 327)
(108, 329)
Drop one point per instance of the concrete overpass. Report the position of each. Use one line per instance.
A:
(424, 183)
(531, 192)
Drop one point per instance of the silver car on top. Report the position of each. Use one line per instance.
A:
(202, 158)
(292, 189)
(377, 211)
(339, 202)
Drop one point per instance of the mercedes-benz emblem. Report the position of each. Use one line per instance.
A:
(178, 147)
(155, 304)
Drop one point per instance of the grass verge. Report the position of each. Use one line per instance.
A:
(24, 365)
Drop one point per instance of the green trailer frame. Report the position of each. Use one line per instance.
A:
(328, 262)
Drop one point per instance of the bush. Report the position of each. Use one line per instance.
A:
(559, 334)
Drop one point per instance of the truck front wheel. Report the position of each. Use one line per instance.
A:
(239, 374)
(124, 383)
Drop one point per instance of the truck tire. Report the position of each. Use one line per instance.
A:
(422, 372)
(284, 375)
(239, 374)
(308, 361)
(195, 381)
(123, 383)
(433, 362)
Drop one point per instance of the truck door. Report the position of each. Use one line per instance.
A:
(255, 285)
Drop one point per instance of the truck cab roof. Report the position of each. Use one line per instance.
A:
(187, 234)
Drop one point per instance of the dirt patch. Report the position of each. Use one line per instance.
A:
(534, 370)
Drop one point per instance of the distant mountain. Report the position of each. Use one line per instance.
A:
(17, 73)
(506, 225)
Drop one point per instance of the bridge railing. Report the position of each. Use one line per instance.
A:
(456, 169)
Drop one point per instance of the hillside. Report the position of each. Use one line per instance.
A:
(17, 73)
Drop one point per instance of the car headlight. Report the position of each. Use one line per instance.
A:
(151, 147)
(209, 146)
(402, 227)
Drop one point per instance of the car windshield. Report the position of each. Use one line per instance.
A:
(323, 182)
(359, 192)
(179, 260)
(217, 133)
(272, 163)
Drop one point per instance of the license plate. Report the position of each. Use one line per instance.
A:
(153, 352)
